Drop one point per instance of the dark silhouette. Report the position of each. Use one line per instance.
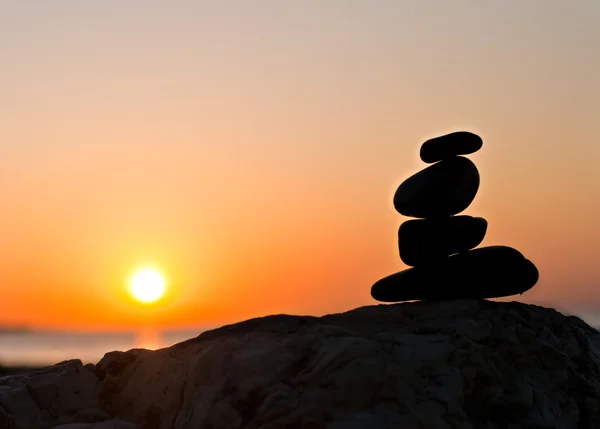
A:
(425, 240)
(439, 246)
(444, 189)
(458, 143)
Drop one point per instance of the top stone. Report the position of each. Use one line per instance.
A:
(449, 145)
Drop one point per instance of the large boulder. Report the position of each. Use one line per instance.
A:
(453, 364)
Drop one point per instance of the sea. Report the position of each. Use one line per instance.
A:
(33, 348)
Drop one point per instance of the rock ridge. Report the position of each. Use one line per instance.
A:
(429, 364)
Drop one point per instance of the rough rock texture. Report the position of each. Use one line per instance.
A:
(439, 365)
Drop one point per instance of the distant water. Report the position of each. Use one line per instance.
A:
(38, 348)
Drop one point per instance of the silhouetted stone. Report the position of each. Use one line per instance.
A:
(443, 147)
(488, 272)
(443, 189)
(439, 247)
(425, 240)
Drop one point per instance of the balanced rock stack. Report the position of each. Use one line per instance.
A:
(439, 245)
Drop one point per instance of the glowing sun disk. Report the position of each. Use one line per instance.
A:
(147, 286)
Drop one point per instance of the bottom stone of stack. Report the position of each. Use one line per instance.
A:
(487, 272)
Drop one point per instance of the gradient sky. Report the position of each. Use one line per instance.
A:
(250, 149)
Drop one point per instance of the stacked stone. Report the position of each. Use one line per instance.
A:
(440, 246)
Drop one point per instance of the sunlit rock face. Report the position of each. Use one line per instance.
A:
(445, 364)
(439, 245)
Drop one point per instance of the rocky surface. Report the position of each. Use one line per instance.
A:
(439, 365)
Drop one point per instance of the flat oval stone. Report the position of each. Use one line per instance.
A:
(423, 241)
(441, 190)
(449, 145)
(487, 272)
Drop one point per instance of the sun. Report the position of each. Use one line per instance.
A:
(147, 286)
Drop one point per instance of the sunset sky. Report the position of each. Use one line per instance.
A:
(250, 150)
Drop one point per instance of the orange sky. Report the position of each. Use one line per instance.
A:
(252, 150)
